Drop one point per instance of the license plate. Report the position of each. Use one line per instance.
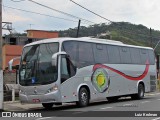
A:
(36, 100)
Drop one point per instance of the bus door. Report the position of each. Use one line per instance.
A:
(67, 79)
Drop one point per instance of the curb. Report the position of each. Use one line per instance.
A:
(6, 102)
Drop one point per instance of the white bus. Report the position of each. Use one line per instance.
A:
(83, 70)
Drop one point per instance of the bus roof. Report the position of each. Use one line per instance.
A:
(85, 39)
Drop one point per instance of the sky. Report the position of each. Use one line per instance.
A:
(145, 12)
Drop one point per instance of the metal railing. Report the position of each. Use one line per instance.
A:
(10, 95)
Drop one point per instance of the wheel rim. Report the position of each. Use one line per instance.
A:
(84, 97)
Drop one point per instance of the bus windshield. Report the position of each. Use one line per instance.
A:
(36, 67)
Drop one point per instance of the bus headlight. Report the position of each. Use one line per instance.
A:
(54, 88)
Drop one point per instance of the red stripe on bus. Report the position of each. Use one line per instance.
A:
(123, 74)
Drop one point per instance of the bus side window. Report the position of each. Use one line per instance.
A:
(67, 69)
(70, 47)
(114, 54)
(135, 55)
(144, 56)
(85, 55)
(100, 53)
(125, 55)
(64, 70)
(151, 57)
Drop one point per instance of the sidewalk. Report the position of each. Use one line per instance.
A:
(17, 106)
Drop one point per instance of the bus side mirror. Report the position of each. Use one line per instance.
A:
(55, 57)
(10, 63)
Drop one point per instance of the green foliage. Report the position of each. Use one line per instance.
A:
(15, 34)
(121, 31)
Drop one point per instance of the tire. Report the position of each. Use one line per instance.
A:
(83, 97)
(112, 99)
(140, 93)
(47, 105)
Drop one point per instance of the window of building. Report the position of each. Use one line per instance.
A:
(13, 41)
(30, 40)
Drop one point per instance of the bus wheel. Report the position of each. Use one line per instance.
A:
(83, 97)
(140, 93)
(47, 105)
(112, 99)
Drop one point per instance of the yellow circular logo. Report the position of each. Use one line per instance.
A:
(100, 80)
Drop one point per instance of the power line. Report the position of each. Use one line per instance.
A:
(91, 11)
(147, 36)
(108, 19)
(144, 35)
(36, 13)
(56, 10)
(40, 14)
(67, 14)
(17, 0)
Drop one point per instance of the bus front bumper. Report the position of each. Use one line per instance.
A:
(52, 97)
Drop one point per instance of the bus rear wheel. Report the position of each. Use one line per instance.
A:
(47, 105)
(140, 93)
(83, 97)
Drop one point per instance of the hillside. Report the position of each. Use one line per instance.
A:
(122, 31)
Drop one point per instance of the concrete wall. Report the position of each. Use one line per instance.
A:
(41, 34)
(10, 52)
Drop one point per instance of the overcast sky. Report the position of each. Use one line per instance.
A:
(144, 12)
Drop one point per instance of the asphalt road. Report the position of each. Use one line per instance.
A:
(124, 109)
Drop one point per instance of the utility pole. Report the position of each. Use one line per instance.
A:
(1, 63)
(78, 28)
(30, 26)
(151, 41)
(156, 45)
(7, 26)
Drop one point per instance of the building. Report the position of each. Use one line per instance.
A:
(41, 34)
(9, 52)
(13, 45)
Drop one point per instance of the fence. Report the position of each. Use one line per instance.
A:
(10, 86)
(10, 77)
(9, 95)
